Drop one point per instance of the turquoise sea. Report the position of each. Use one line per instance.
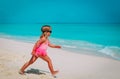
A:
(99, 39)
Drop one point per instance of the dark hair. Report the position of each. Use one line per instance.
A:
(44, 26)
(43, 30)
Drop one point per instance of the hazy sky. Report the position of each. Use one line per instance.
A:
(61, 11)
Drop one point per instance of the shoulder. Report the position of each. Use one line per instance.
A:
(42, 39)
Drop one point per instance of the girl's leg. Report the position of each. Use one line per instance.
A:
(31, 61)
(48, 60)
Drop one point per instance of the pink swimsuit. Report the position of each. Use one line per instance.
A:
(41, 50)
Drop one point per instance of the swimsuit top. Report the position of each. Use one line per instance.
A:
(43, 46)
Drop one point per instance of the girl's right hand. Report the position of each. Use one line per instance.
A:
(57, 46)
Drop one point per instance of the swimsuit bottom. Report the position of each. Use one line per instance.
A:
(41, 52)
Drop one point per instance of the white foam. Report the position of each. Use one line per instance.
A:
(75, 45)
(111, 51)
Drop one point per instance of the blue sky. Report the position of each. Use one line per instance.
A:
(61, 11)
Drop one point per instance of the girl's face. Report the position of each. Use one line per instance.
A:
(48, 33)
(47, 30)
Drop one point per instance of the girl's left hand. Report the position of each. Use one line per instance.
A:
(57, 46)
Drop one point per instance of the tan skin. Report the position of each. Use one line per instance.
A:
(45, 58)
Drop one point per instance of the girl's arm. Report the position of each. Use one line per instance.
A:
(54, 46)
(37, 44)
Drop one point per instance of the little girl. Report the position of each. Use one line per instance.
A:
(39, 50)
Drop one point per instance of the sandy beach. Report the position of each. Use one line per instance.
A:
(13, 54)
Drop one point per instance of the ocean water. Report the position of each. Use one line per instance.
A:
(97, 39)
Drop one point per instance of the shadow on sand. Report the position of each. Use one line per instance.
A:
(36, 71)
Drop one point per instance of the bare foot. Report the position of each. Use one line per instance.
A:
(54, 73)
(21, 72)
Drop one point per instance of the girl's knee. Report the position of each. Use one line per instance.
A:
(49, 61)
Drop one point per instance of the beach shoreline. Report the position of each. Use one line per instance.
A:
(13, 54)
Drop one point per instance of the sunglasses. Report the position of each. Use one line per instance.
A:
(47, 31)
